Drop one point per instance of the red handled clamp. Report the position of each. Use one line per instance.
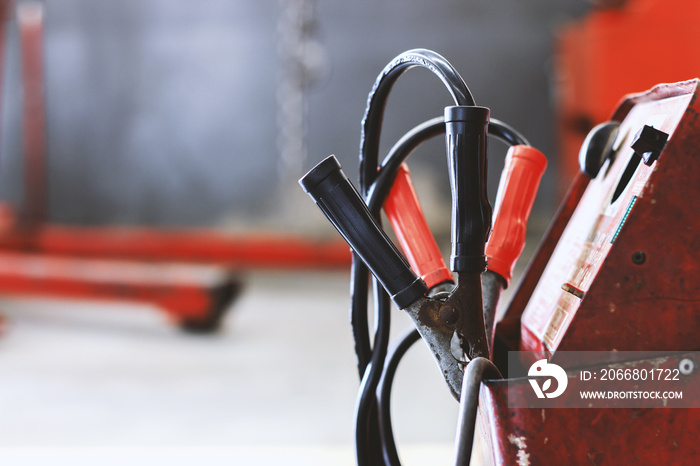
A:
(405, 214)
(520, 179)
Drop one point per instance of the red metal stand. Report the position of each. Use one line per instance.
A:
(30, 18)
(262, 250)
(193, 297)
(134, 264)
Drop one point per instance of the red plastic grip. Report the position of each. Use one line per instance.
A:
(405, 214)
(524, 167)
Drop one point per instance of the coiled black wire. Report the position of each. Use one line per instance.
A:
(477, 370)
(378, 96)
(372, 447)
(376, 197)
(389, 451)
(369, 147)
(371, 361)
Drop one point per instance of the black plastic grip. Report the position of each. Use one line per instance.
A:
(466, 135)
(336, 196)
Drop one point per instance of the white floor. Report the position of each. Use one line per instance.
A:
(98, 383)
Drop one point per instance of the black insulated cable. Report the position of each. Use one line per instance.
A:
(477, 370)
(367, 437)
(369, 147)
(391, 456)
(371, 360)
(377, 99)
(380, 189)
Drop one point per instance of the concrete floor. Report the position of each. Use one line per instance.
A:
(103, 383)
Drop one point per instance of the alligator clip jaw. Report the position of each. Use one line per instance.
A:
(437, 334)
(438, 322)
(467, 297)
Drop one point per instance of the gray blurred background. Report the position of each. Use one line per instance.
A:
(178, 113)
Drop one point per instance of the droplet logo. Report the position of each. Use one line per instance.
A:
(542, 368)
